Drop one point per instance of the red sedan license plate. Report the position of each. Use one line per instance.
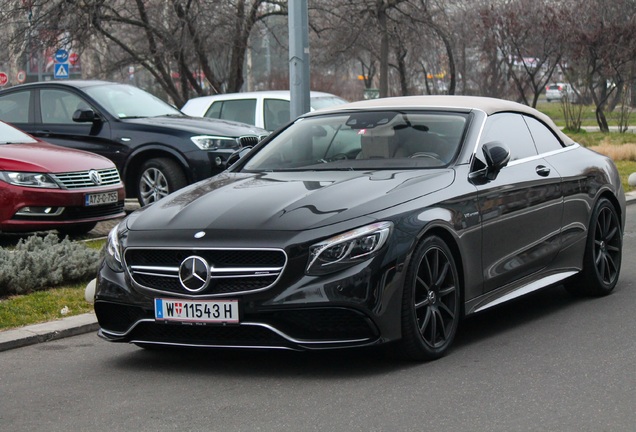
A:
(101, 198)
(207, 311)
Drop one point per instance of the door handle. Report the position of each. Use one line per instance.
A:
(543, 170)
(41, 133)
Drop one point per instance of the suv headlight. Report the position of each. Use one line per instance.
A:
(348, 248)
(209, 142)
(27, 179)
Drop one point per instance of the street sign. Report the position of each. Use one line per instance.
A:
(60, 71)
(21, 76)
(4, 79)
(73, 58)
(61, 56)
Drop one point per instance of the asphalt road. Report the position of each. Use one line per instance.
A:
(547, 362)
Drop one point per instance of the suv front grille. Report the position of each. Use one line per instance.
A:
(82, 179)
(247, 141)
(231, 271)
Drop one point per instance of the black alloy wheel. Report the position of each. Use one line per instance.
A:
(431, 302)
(603, 253)
(157, 179)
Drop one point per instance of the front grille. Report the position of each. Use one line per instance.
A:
(232, 271)
(247, 141)
(82, 179)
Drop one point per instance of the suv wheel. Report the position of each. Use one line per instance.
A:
(159, 178)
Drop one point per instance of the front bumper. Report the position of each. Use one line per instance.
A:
(359, 306)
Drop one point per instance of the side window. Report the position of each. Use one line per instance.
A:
(14, 107)
(544, 139)
(511, 130)
(58, 106)
(243, 110)
(215, 110)
(276, 113)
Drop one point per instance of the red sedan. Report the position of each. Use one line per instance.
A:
(44, 187)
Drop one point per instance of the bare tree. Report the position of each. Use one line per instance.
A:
(177, 41)
(527, 36)
(601, 42)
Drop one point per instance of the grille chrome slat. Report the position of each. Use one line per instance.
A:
(232, 271)
(82, 179)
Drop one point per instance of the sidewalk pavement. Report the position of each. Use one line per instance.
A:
(80, 324)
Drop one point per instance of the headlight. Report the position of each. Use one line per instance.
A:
(114, 250)
(37, 180)
(348, 248)
(208, 142)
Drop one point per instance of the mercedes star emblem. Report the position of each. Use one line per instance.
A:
(194, 273)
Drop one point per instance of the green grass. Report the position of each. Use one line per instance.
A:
(42, 306)
(590, 139)
(555, 112)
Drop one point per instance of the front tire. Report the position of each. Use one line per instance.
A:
(603, 253)
(157, 179)
(430, 302)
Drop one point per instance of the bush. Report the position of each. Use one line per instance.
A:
(39, 263)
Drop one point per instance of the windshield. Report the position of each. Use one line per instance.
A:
(124, 101)
(364, 140)
(11, 135)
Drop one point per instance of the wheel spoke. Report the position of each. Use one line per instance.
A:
(423, 303)
(423, 283)
(610, 235)
(425, 321)
(443, 332)
(442, 274)
(446, 291)
(450, 313)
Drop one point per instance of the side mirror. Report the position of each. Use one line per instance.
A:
(497, 156)
(85, 116)
(237, 155)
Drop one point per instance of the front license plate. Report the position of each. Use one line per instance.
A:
(101, 198)
(219, 311)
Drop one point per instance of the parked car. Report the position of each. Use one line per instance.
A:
(379, 221)
(45, 187)
(556, 91)
(265, 109)
(156, 148)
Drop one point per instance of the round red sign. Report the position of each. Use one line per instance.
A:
(4, 79)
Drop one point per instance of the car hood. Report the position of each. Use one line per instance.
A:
(44, 157)
(284, 201)
(199, 125)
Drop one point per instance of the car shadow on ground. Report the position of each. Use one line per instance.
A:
(350, 362)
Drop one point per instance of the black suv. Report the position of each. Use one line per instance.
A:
(156, 147)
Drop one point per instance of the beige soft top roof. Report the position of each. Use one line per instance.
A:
(488, 105)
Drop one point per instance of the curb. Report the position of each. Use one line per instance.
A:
(85, 323)
(44, 332)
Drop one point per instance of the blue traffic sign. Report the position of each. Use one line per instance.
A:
(61, 56)
(60, 71)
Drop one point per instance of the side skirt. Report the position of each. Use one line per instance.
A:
(507, 293)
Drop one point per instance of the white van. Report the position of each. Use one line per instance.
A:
(266, 109)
